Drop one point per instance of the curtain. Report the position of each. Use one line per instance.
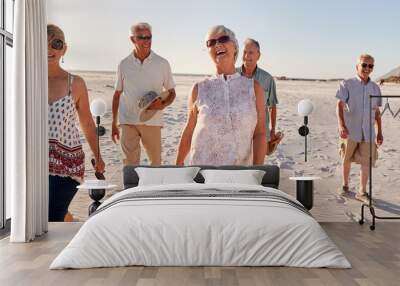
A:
(26, 117)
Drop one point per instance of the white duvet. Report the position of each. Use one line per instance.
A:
(200, 231)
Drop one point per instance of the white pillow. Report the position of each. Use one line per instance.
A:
(163, 176)
(248, 177)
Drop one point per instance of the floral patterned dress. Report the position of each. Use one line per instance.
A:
(66, 157)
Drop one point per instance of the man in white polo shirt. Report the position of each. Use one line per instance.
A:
(141, 72)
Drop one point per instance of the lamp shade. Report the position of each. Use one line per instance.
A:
(98, 107)
(305, 107)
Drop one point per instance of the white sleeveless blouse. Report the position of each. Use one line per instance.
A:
(226, 121)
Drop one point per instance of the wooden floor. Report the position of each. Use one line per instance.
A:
(374, 255)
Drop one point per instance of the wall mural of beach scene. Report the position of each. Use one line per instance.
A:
(308, 60)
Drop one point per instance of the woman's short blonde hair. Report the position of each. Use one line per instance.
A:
(55, 32)
(229, 32)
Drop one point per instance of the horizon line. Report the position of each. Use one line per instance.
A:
(200, 74)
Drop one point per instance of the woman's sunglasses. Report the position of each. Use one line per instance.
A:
(364, 65)
(57, 44)
(220, 40)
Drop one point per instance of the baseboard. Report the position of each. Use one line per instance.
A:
(5, 231)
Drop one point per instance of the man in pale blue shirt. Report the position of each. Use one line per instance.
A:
(249, 68)
(353, 116)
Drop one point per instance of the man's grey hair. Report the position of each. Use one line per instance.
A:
(229, 32)
(139, 26)
(254, 42)
(366, 57)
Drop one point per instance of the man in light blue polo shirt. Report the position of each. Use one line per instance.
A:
(249, 68)
(353, 116)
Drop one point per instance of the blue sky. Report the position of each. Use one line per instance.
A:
(308, 38)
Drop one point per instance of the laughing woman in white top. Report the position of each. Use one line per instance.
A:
(68, 96)
(226, 120)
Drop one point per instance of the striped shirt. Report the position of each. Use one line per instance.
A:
(355, 93)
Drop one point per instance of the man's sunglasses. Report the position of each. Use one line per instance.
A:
(364, 65)
(57, 44)
(220, 40)
(143, 38)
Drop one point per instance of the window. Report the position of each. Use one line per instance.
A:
(9, 15)
(6, 43)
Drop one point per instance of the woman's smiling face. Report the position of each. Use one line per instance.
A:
(55, 49)
(221, 48)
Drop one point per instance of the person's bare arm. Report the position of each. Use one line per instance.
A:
(259, 137)
(342, 126)
(168, 82)
(378, 120)
(272, 115)
(171, 97)
(187, 134)
(115, 107)
(161, 104)
(81, 99)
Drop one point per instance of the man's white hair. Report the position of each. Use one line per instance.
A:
(139, 26)
(230, 33)
(254, 42)
(365, 57)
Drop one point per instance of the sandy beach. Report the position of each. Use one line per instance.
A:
(323, 159)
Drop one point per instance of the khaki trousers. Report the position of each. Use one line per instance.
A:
(130, 143)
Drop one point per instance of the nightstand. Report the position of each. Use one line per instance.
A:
(305, 190)
(96, 193)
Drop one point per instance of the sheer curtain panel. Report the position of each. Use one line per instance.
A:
(27, 146)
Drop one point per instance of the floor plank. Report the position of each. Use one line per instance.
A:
(375, 257)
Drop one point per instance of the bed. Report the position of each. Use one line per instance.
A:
(201, 224)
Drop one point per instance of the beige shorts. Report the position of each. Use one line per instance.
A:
(357, 152)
